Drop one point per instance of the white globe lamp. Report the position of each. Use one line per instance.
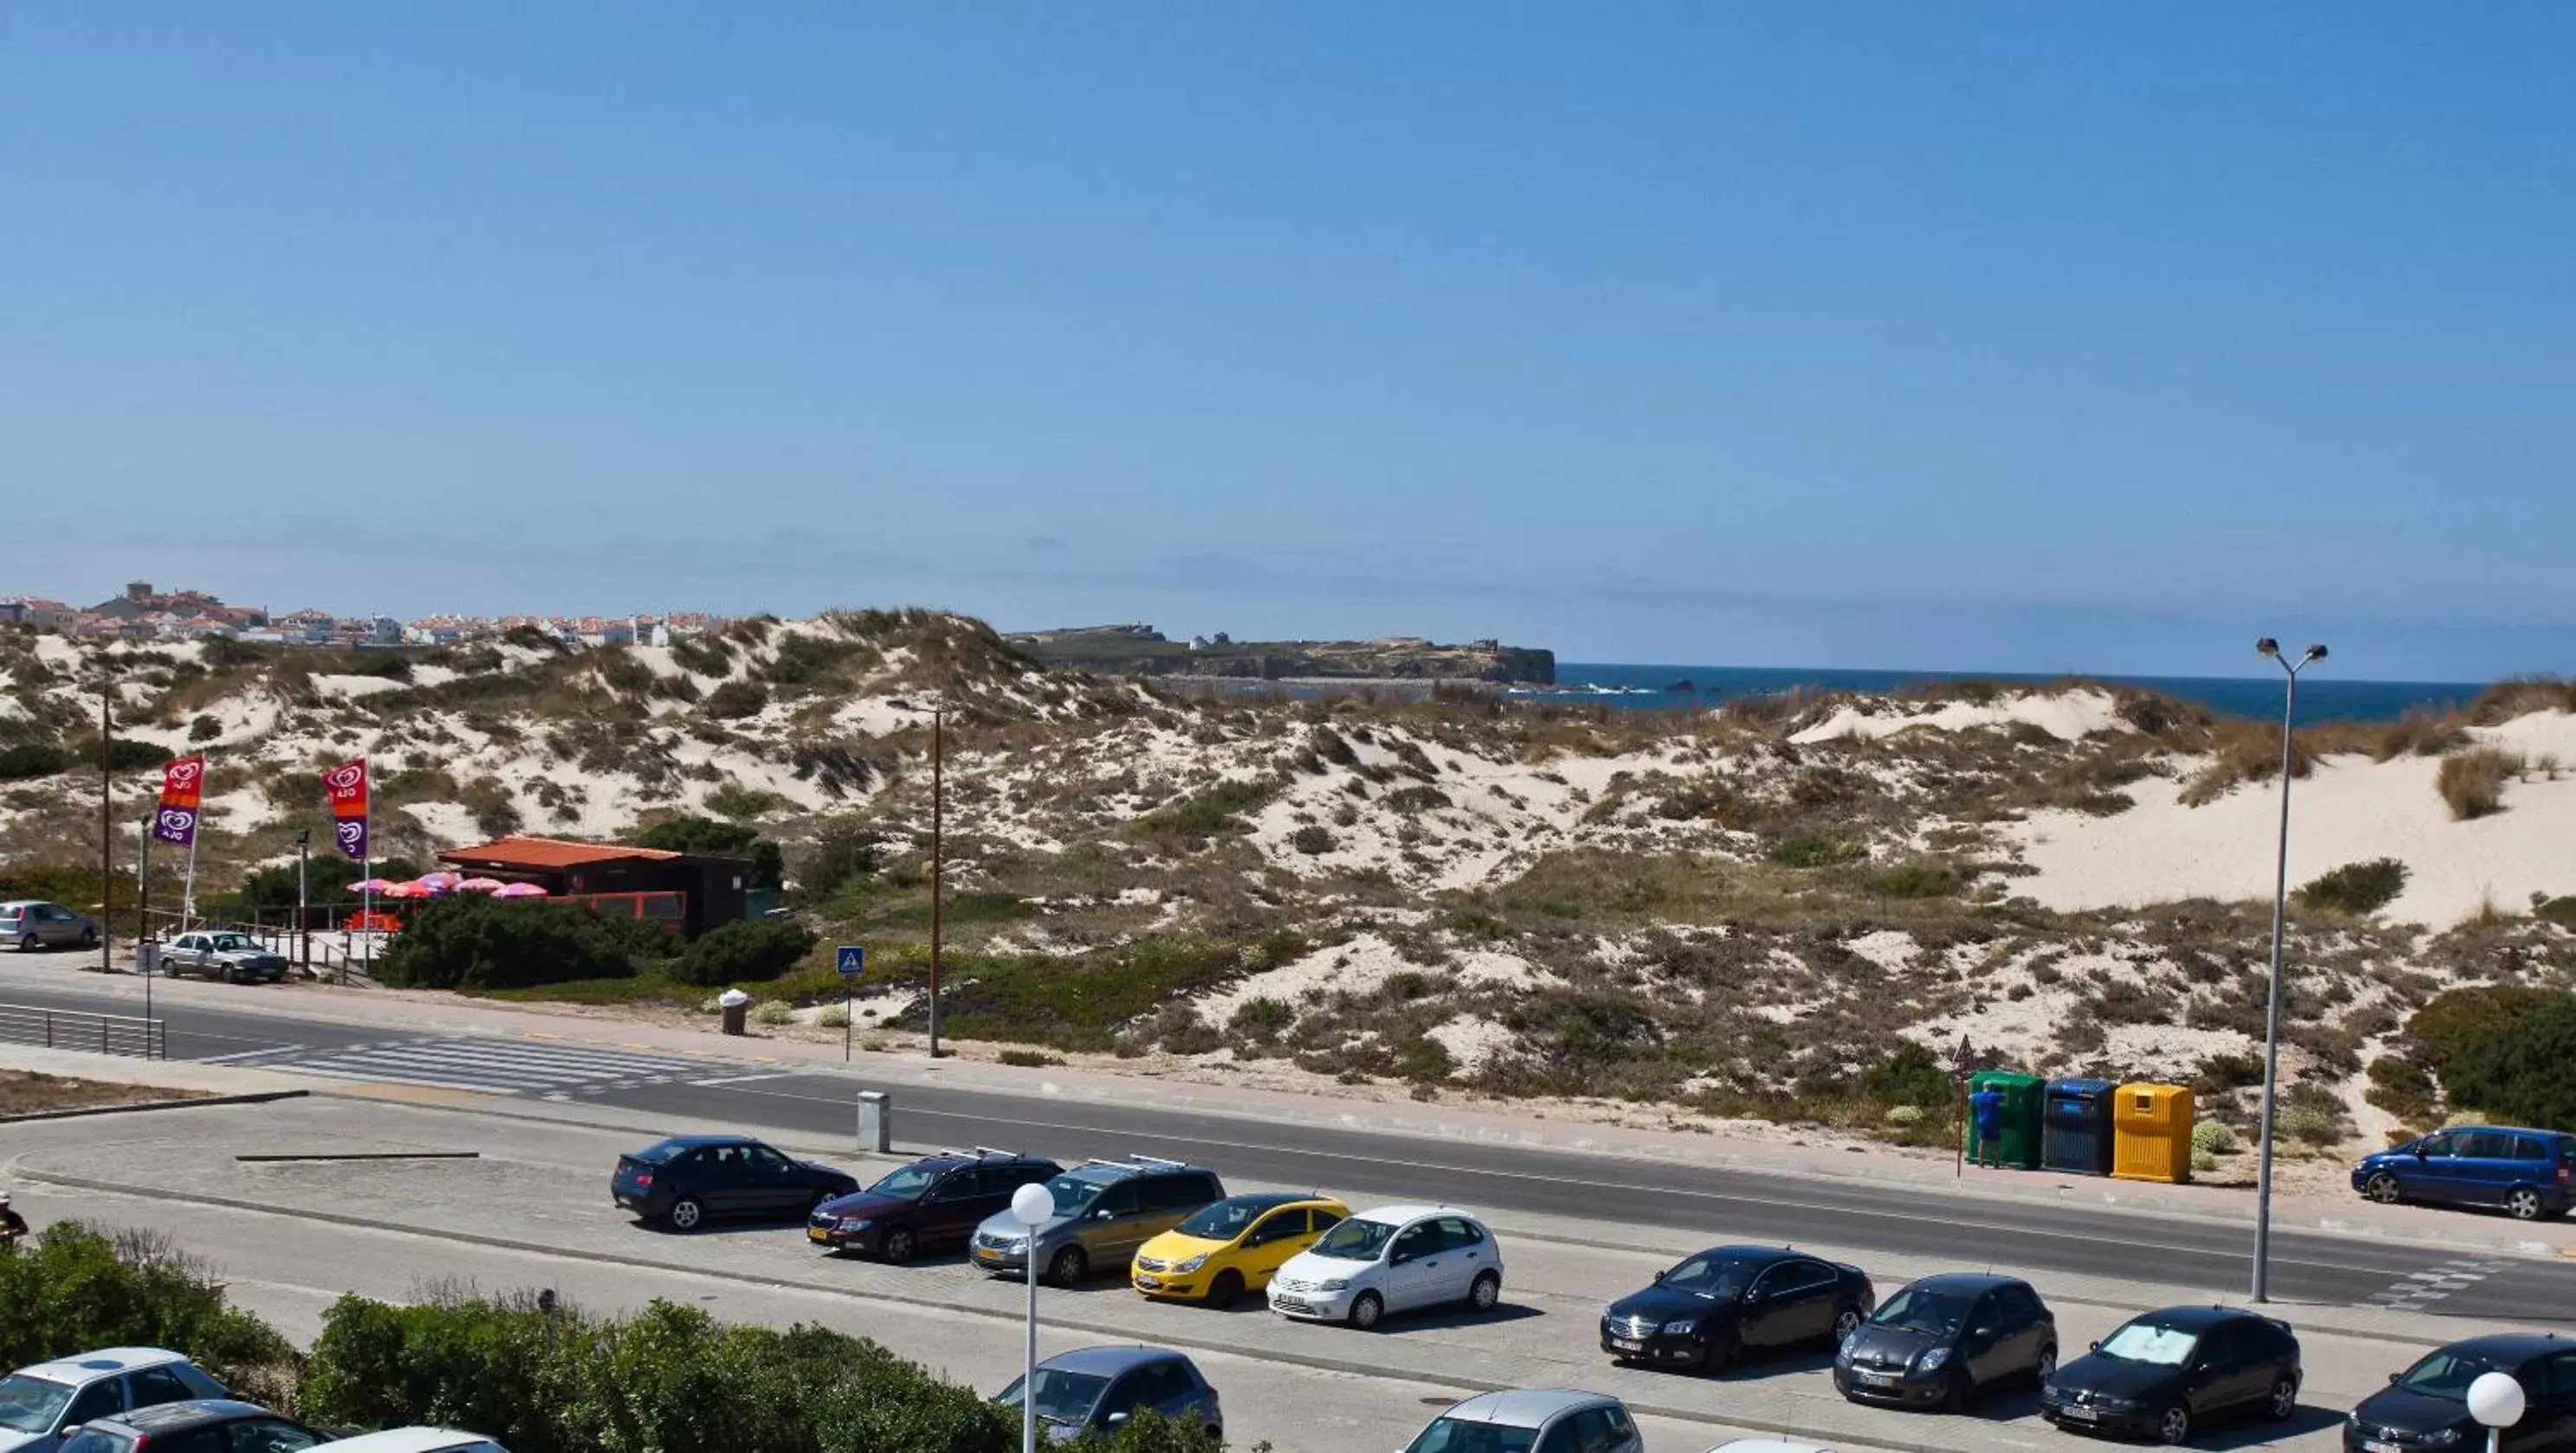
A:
(2496, 1401)
(1032, 1205)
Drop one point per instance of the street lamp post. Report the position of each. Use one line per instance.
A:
(303, 914)
(2271, 650)
(1032, 1205)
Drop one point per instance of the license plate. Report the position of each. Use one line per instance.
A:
(1879, 1379)
(817, 1233)
(2381, 1448)
(989, 1258)
(2081, 1415)
(1290, 1304)
(1627, 1344)
(1143, 1280)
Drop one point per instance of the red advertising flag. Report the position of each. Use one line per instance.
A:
(347, 784)
(183, 782)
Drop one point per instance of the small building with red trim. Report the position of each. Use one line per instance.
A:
(711, 888)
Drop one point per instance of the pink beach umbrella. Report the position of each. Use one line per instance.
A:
(371, 885)
(403, 890)
(442, 880)
(481, 885)
(519, 890)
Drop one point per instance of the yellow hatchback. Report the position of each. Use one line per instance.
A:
(1234, 1246)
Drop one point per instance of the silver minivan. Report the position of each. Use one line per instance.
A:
(28, 924)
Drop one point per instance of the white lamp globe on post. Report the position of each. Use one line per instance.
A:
(2496, 1401)
(1033, 1205)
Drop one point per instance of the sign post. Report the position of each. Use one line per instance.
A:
(1963, 1062)
(852, 961)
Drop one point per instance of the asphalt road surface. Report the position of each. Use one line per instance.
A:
(1731, 1204)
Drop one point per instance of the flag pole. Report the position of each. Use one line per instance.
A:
(188, 886)
(143, 911)
(367, 894)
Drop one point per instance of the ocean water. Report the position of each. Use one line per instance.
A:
(2321, 697)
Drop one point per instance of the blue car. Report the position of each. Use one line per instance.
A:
(2530, 1173)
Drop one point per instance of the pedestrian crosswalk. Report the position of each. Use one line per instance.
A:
(552, 1071)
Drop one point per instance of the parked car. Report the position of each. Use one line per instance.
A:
(1550, 1420)
(2531, 1173)
(2426, 1407)
(1768, 1445)
(415, 1440)
(1711, 1308)
(1942, 1340)
(1097, 1389)
(935, 1200)
(2165, 1373)
(37, 1403)
(1234, 1246)
(1392, 1259)
(1105, 1210)
(235, 958)
(687, 1180)
(207, 1425)
(29, 924)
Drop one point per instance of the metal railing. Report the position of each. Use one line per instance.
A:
(73, 1029)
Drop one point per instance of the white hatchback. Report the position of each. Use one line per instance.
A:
(417, 1440)
(37, 1403)
(1392, 1259)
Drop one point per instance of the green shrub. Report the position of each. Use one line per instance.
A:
(1812, 850)
(2402, 1088)
(1900, 1116)
(32, 759)
(734, 700)
(749, 952)
(1030, 1059)
(2519, 1073)
(2309, 1124)
(1424, 1059)
(2211, 1138)
(1917, 880)
(2560, 910)
(1909, 1075)
(73, 1288)
(2473, 781)
(2203, 1161)
(2220, 1073)
(773, 1013)
(1216, 811)
(833, 1016)
(1311, 840)
(204, 729)
(2451, 1020)
(1260, 1019)
(707, 835)
(473, 942)
(2356, 888)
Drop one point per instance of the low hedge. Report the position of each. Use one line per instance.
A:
(75, 1288)
(473, 942)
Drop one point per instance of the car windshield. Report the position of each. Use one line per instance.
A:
(906, 1184)
(1073, 1194)
(1917, 1310)
(1449, 1435)
(2447, 1374)
(1063, 1397)
(231, 941)
(2151, 1343)
(656, 1154)
(1225, 1220)
(1356, 1240)
(30, 1404)
(1715, 1277)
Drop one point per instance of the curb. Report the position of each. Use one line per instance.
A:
(260, 1097)
(1353, 1367)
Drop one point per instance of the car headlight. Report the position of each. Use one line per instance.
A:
(1682, 1328)
(860, 1223)
(1193, 1264)
(2444, 1438)
(1934, 1360)
(1337, 1284)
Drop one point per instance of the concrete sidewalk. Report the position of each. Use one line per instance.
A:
(1932, 1175)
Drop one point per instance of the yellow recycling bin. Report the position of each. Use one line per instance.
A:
(2151, 1133)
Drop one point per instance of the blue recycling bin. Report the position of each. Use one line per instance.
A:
(2075, 1127)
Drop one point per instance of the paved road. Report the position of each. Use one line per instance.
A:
(1730, 1204)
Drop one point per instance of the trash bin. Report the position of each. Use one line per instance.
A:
(2151, 1133)
(2016, 1141)
(2076, 1132)
(737, 1007)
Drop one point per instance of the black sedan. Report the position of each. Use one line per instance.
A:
(1713, 1307)
(2165, 1373)
(1940, 1341)
(687, 1180)
(2427, 1406)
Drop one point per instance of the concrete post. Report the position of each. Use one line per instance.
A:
(876, 1123)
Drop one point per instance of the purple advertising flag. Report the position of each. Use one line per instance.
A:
(176, 825)
(352, 835)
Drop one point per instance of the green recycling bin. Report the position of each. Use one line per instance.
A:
(2018, 1139)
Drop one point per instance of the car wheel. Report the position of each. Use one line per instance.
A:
(2173, 1425)
(1846, 1322)
(1226, 1290)
(1955, 1395)
(1069, 1266)
(899, 1246)
(2283, 1401)
(1725, 1349)
(2383, 1188)
(226, 974)
(1366, 1308)
(27, 943)
(2046, 1368)
(89, 938)
(2524, 1203)
(1486, 1290)
(686, 1214)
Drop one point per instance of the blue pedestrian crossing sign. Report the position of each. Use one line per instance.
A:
(852, 961)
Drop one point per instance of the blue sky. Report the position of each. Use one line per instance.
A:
(2007, 336)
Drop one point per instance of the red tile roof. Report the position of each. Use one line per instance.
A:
(547, 852)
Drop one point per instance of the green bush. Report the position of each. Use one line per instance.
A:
(2356, 888)
(2519, 1073)
(707, 835)
(1909, 1075)
(1311, 840)
(833, 1016)
(73, 1288)
(2211, 1138)
(2560, 910)
(735, 699)
(773, 1013)
(1917, 880)
(749, 952)
(474, 942)
(1812, 850)
(2450, 1021)
(32, 759)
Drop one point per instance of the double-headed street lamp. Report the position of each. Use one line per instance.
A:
(2271, 649)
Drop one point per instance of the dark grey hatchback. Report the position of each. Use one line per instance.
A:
(2165, 1373)
(1940, 1341)
(207, 1425)
(2426, 1407)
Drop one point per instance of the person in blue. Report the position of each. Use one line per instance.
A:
(1987, 1108)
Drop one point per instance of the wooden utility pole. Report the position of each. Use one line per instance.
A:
(938, 752)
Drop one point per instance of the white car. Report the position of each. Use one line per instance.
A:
(417, 1440)
(1392, 1259)
(37, 1403)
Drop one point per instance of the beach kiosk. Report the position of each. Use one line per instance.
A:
(2151, 1133)
(2076, 1130)
(2016, 1136)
